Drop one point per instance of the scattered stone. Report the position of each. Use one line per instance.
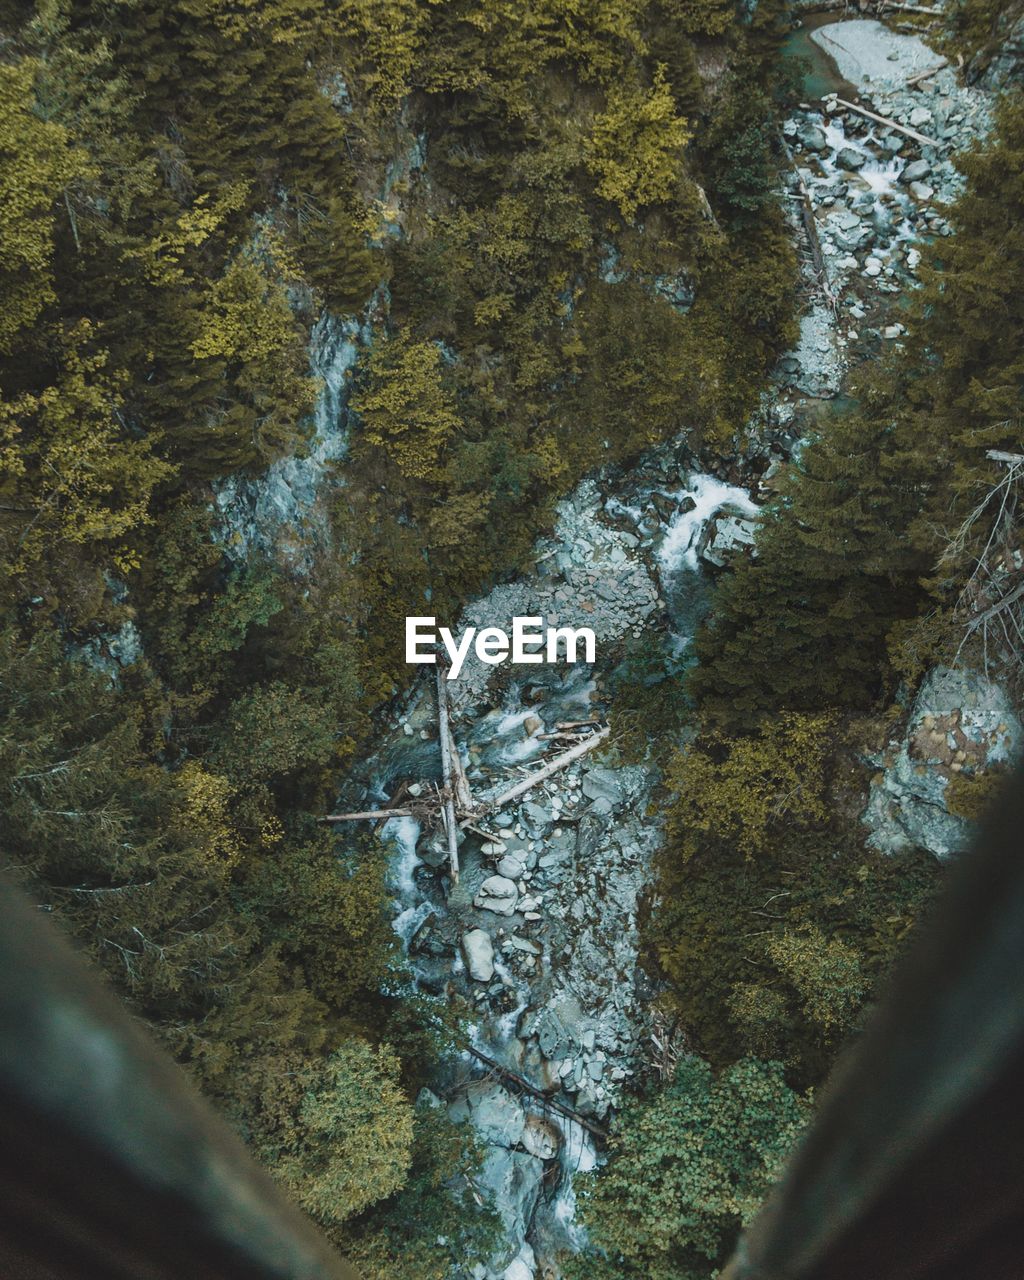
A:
(812, 138)
(479, 953)
(497, 894)
(524, 944)
(921, 191)
(850, 159)
(872, 267)
(914, 172)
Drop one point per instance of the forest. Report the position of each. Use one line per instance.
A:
(561, 227)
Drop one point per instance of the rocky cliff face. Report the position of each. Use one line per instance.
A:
(960, 726)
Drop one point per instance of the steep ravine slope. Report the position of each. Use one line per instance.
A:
(540, 938)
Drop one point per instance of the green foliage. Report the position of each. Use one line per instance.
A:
(720, 914)
(688, 1166)
(825, 972)
(635, 149)
(405, 407)
(742, 791)
(186, 185)
(352, 1144)
(69, 471)
(435, 1222)
(37, 164)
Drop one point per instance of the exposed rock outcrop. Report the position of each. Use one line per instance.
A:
(960, 724)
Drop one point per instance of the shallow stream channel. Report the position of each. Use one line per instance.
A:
(539, 937)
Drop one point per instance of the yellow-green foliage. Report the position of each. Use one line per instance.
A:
(703, 17)
(635, 151)
(740, 791)
(406, 409)
(192, 177)
(37, 164)
(825, 972)
(971, 797)
(353, 1134)
(69, 470)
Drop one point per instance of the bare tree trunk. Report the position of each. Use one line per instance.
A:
(368, 815)
(559, 762)
(448, 800)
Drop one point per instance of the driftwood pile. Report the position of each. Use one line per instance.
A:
(453, 805)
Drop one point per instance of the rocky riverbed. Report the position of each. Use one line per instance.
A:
(539, 940)
(540, 937)
(877, 194)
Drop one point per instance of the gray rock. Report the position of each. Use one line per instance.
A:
(960, 723)
(727, 536)
(921, 191)
(511, 867)
(811, 137)
(514, 1179)
(850, 159)
(600, 783)
(524, 944)
(554, 1040)
(915, 171)
(495, 1114)
(478, 950)
(537, 813)
(497, 894)
(845, 220)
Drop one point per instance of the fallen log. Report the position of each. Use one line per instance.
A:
(463, 791)
(924, 75)
(369, 815)
(899, 128)
(912, 8)
(553, 766)
(1000, 455)
(521, 1082)
(447, 798)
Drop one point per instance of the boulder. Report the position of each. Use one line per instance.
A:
(812, 138)
(915, 171)
(514, 1179)
(497, 894)
(960, 723)
(602, 783)
(541, 1137)
(496, 1115)
(510, 866)
(850, 159)
(478, 950)
(727, 536)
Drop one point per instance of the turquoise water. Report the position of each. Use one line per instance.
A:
(821, 75)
